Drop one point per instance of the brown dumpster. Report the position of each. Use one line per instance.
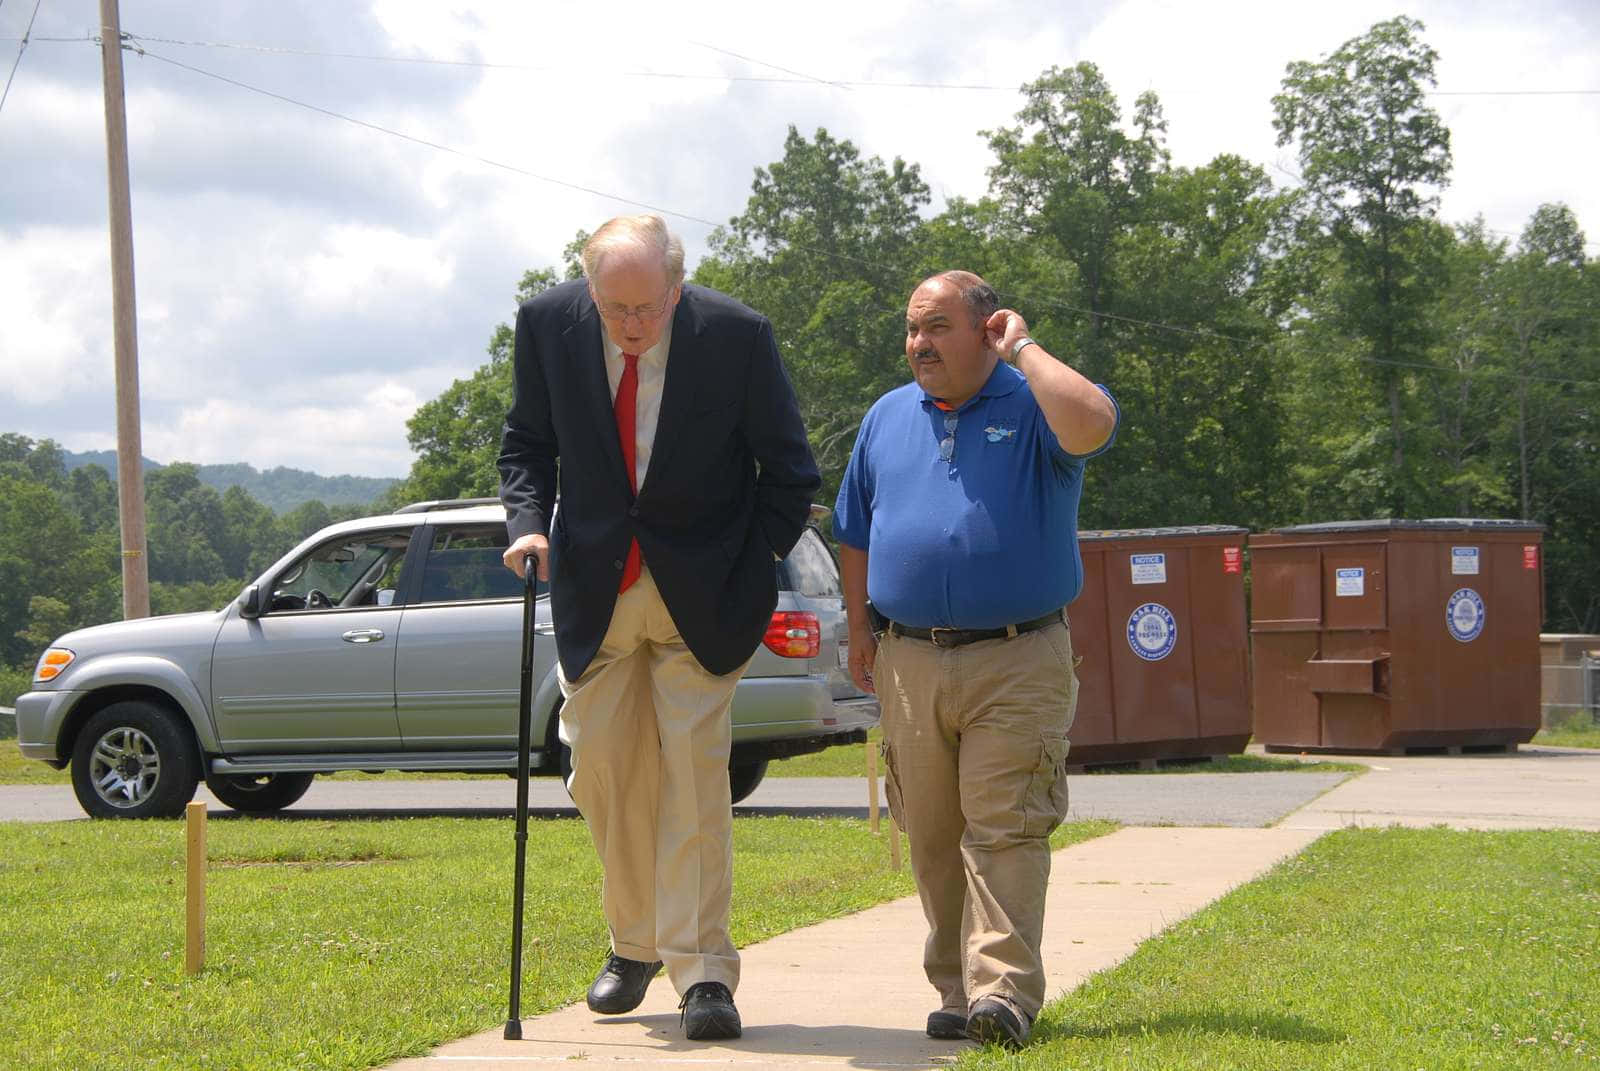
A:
(1160, 625)
(1392, 635)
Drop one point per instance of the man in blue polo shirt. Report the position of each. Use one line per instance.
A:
(958, 519)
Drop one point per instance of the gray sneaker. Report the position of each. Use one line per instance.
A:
(947, 1025)
(995, 1022)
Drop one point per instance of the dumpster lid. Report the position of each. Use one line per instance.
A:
(1429, 523)
(1161, 533)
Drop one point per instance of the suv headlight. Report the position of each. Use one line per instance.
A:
(51, 664)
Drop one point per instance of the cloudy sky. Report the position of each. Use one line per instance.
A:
(304, 283)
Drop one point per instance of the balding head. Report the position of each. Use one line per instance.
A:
(642, 238)
(978, 296)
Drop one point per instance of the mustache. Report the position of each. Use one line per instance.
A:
(924, 354)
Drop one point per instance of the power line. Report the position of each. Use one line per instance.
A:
(763, 63)
(793, 77)
(20, 50)
(1034, 299)
(425, 142)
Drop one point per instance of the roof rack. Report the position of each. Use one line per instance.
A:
(816, 515)
(446, 503)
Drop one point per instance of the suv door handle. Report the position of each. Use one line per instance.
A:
(363, 635)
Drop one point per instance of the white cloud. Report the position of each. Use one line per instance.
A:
(352, 428)
(55, 327)
(354, 266)
(305, 282)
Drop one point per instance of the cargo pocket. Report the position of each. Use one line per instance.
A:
(1045, 804)
(891, 786)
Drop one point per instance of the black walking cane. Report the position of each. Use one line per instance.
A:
(524, 735)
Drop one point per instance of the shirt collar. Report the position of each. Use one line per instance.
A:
(1004, 380)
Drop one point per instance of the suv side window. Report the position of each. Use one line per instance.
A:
(810, 568)
(354, 570)
(466, 563)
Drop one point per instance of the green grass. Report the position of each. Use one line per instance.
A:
(1575, 732)
(1239, 764)
(344, 944)
(1393, 948)
(845, 760)
(16, 770)
(851, 761)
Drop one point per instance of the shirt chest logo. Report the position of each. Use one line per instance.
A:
(1001, 431)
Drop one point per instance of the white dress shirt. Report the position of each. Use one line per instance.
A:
(652, 376)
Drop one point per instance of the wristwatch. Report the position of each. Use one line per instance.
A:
(1018, 346)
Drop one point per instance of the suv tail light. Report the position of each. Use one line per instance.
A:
(794, 635)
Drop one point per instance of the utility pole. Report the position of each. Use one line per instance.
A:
(130, 463)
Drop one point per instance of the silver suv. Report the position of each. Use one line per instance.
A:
(386, 643)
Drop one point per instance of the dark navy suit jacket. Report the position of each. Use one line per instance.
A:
(729, 486)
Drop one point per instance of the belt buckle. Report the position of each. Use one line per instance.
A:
(933, 635)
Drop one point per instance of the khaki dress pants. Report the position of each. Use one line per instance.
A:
(650, 736)
(975, 748)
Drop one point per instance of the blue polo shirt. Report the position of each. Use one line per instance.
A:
(979, 536)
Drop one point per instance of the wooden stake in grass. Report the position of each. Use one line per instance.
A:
(194, 942)
(894, 842)
(872, 785)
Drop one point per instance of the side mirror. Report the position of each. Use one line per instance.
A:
(250, 602)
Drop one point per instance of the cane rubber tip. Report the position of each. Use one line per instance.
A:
(513, 1030)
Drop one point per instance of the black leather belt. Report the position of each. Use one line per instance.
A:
(960, 637)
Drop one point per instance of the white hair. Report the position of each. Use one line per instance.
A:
(632, 234)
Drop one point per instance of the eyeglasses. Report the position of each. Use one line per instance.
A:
(947, 445)
(645, 314)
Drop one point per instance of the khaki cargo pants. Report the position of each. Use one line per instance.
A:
(975, 748)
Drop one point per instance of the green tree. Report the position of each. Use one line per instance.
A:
(47, 618)
(457, 435)
(249, 535)
(1069, 175)
(1466, 396)
(1371, 153)
(1195, 366)
(826, 248)
(43, 552)
(92, 495)
(1541, 301)
(187, 531)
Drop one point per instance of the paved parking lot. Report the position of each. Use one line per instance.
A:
(1253, 799)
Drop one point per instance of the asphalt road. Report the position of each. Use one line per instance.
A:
(1190, 799)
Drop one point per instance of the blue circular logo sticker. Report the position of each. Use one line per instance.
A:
(1463, 615)
(1152, 632)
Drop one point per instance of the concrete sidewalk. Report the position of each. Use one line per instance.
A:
(1534, 788)
(850, 993)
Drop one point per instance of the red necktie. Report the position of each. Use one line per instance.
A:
(627, 405)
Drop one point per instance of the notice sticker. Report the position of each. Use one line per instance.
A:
(1463, 615)
(1152, 632)
(1348, 582)
(1149, 568)
(1232, 560)
(1464, 561)
(1530, 555)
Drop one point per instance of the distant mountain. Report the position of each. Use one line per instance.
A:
(281, 489)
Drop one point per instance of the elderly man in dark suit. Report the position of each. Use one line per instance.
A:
(684, 476)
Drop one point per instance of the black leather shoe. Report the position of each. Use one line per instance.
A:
(947, 1025)
(620, 985)
(994, 1022)
(709, 1014)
